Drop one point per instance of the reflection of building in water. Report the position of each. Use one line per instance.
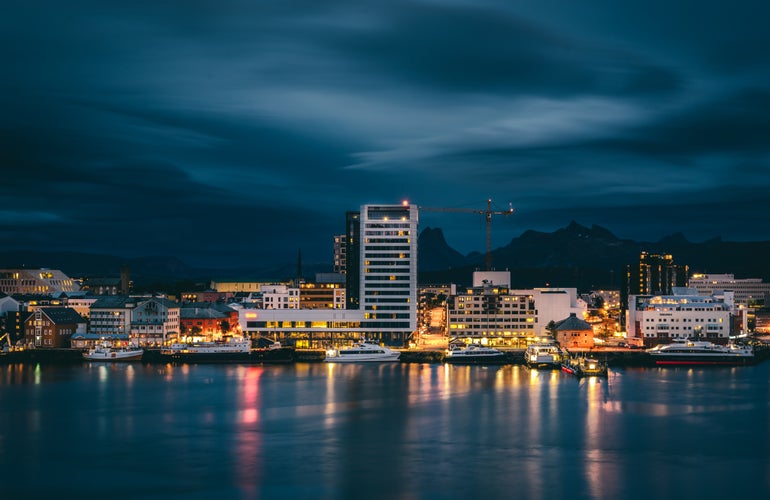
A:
(490, 312)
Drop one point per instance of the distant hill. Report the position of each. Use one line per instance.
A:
(573, 256)
(152, 269)
(588, 257)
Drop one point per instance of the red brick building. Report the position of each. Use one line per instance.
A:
(52, 327)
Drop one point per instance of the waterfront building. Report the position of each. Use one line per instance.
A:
(196, 320)
(145, 321)
(111, 316)
(750, 292)
(35, 281)
(52, 327)
(491, 313)
(154, 320)
(388, 271)
(685, 314)
(303, 328)
(574, 332)
(380, 288)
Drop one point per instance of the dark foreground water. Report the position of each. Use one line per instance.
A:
(403, 431)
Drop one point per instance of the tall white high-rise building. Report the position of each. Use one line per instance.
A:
(388, 271)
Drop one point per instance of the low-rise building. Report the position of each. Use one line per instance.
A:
(209, 320)
(35, 281)
(748, 291)
(685, 314)
(52, 327)
(492, 313)
(574, 332)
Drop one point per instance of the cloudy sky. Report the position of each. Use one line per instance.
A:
(230, 131)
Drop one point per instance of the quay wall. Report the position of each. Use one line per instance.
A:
(613, 358)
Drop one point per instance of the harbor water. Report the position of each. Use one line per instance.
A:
(390, 430)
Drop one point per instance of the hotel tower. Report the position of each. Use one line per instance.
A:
(384, 281)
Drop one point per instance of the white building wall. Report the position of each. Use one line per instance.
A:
(683, 316)
(388, 278)
(554, 304)
(280, 297)
(746, 290)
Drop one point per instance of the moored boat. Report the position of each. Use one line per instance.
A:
(547, 355)
(698, 352)
(109, 353)
(231, 349)
(363, 351)
(582, 366)
(474, 354)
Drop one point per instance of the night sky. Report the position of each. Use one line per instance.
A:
(227, 132)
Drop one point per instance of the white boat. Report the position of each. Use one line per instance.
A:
(698, 352)
(108, 353)
(363, 351)
(230, 349)
(546, 355)
(474, 354)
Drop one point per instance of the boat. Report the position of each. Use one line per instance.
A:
(474, 354)
(584, 366)
(230, 349)
(363, 351)
(109, 353)
(547, 355)
(699, 352)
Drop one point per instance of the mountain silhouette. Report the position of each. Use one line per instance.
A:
(572, 256)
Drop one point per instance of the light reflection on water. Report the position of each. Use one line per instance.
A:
(397, 430)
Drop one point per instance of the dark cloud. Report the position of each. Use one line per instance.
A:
(239, 130)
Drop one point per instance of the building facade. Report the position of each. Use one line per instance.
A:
(574, 332)
(388, 271)
(36, 281)
(491, 313)
(685, 314)
(340, 254)
(154, 321)
(52, 327)
(654, 274)
(749, 292)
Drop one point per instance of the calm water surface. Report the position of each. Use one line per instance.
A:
(404, 431)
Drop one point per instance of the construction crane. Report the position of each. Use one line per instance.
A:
(488, 213)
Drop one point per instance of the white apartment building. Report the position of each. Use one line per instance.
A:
(685, 314)
(747, 291)
(153, 321)
(280, 297)
(388, 270)
(491, 313)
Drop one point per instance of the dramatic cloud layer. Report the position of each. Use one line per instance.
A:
(235, 131)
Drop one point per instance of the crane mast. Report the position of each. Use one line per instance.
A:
(488, 213)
